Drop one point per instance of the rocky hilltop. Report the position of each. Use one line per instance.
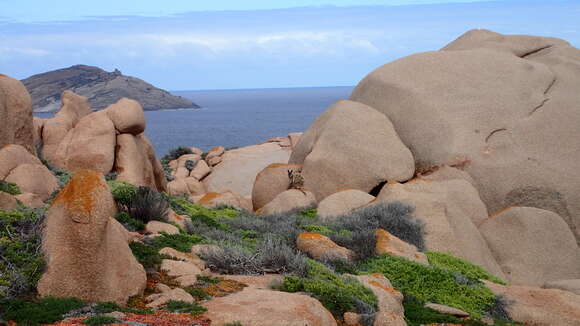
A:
(102, 88)
(443, 192)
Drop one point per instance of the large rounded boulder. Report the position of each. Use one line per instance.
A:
(351, 145)
(533, 246)
(15, 114)
(86, 249)
(270, 182)
(504, 106)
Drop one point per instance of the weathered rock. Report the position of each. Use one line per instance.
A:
(177, 187)
(34, 178)
(387, 243)
(92, 144)
(158, 172)
(227, 198)
(158, 227)
(215, 152)
(566, 285)
(184, 272)
(133, 163)
(450, 210)
(196, 150)
(258, 307)
(239, 167)
(287, 201)
(342, 202)
(12, 156)
(15, 114)
(194, 186)
(447, 310)
(351, 318)
(127, 116)
(270, 182)
(540, 307)
(54, 130)
(187, 257)
(294, 139)
(321, 247)
(201, 170)
(7, 201)
(517, 148)
(86, 249)
(368, 154)
(532, 246)
(213, 161)
(37, 128)
(30, 200)
(180, 220)
(168, 294)
(390, 301)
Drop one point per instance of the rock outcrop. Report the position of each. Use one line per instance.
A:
(100, 87)
(465, 105)
(270, 182)
(351, 145)
(532, 246)
(342, 202)
(86, 249)
(320, 247)
(15, 114)
(287, 201)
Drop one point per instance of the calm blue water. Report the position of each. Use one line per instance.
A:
(238, 117)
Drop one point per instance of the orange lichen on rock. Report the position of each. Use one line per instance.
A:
(208, 198)
(78, 196)
(310, 236)
(277, 165)
(386, 288)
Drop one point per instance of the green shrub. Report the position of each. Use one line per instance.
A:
(21, 259)
(337, 293)
(209, 216)
(147, 205)
(176, 153)
(147, 256)
(197, 293)
(395, 217)
(416, 314)
(180, 241)
(130, 223)
(99, 320)
(9, 187)
(122, 192)
(44, 311)
(207, 279)
(318, 229)
(310, 213)
(454, 264)
(185, 307)
(433, 284)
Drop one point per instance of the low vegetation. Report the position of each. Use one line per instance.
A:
(454, 264)
(9, 187)
(184, 307)
(99, 320)
(43, 311)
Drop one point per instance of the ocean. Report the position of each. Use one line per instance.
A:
(233, 118)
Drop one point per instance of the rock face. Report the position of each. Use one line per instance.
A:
(270, 182)
(520, 149)
(540, 307)
(532, 245)
(260, 307)
(101, 87)
(227, 198)
(287, 201)
(451, 210)
(342, 202)
(136, 164)
(566, 285)
(15, 114)
(239, 167)
(86, 249)
(351, 145)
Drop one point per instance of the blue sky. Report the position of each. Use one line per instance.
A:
(186, 44)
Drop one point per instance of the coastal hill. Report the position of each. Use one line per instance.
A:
(102, 88)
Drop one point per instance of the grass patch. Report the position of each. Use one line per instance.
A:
(454, 264)
(337, 293)
(185, 307)
(44, 311)
(9, 187)
(209, 216)
(130, 223)
(106, 307)
(146, 255)
(433, 284)
(180, 241)
(99, 320)
(310, 213)
(122, 192)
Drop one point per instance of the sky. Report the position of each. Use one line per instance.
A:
(229, 44)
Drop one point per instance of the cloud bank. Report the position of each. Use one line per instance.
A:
(268, 48)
